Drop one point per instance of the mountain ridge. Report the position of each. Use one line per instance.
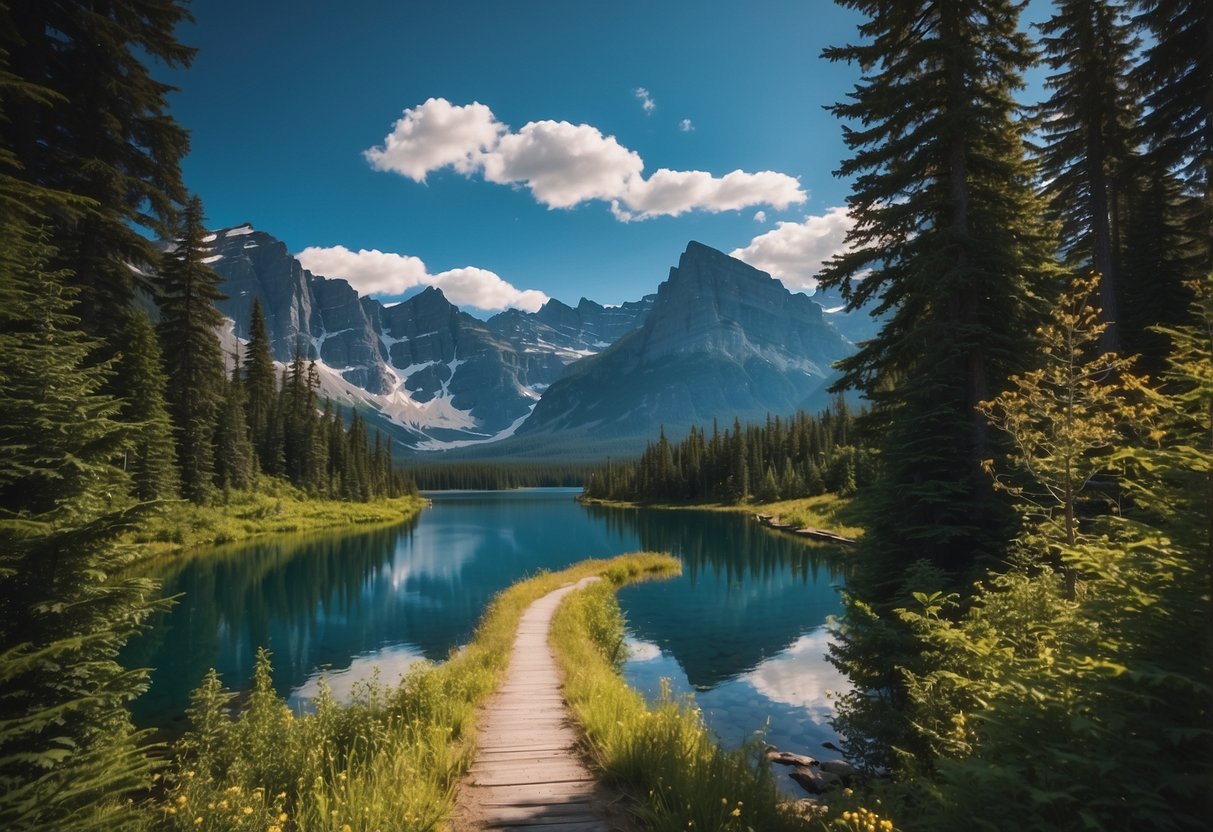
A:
(718, 338)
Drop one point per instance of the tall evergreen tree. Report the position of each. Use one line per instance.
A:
(1088, 124)
(260, 386)
(69, 756)
(192, 356)
(151, 460)
(947, 230)
(233, 451)
(953, 250)
(104, 135)
(1176, 76)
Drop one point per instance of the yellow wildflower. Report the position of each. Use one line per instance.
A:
(248, 810)
(736, 813)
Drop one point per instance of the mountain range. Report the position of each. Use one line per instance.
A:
(719, 339)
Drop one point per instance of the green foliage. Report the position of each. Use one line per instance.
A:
(150, 460)
(493, 476)
(949, 241)
(260, 388)
(69, 756)
(98, 129)
(665, 756)
(233, 448)
(1064, 416)
(1088, 124)
(802, 456)
(271, 506)
(188, 289)
(1046, 695)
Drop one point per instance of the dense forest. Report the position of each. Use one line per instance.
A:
(1028, 622)
(783, 459)
(1027, 627)
(496, 476)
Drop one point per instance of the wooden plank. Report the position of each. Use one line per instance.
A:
(503, 815)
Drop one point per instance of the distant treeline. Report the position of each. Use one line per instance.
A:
(782, 459)
(496, 476)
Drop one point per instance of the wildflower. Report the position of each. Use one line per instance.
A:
(346, 828)
(736, 813)
(886, 825)
(172, 810)
(182, 800)
(189, 774)
(198, 821)
(848, 792)
(248, 810)
(282, 818)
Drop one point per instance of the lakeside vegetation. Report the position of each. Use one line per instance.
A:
(270, 507)
(388, 759)
(496, 476)
(841, 515)
(801, 456)
(663, 756)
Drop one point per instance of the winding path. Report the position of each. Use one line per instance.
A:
(528, 773)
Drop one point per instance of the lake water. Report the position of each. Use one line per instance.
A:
(741, 629)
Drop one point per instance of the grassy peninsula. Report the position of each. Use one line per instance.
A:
(272, 506)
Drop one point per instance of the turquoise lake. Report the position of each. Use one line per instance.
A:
(742, 629)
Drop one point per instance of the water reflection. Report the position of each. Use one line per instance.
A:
(742, 626)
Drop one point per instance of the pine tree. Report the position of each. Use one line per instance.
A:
(948, 231)
(151, 461)
(192, 356)
(1176, 76)
(260, 386)
(69, 756)
(105, 136)
(1088, 124)
(950, 242)
(233, 451)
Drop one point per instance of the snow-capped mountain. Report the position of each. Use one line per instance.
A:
(434, 376)
(719, 339)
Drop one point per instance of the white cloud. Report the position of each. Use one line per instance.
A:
(564, 165)
(646, 100)
(435, 135)
(686, 125)
(674, 192)
(376, 272)
(795, 251)
(760, 216)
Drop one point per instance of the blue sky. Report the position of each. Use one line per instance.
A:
(548, 188)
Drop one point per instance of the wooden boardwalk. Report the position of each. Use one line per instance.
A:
(528, 773)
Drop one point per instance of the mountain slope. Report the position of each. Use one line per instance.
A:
(430, 374)
(723, 340)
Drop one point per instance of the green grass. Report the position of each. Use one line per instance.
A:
(664, 756)
(272, 507)
(824, 511)
(389, 760)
